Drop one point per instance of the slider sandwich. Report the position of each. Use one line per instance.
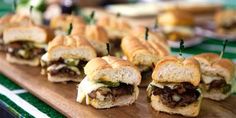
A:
(176, 25)
(143, 53)
(116, 27)
(174, 88)
(66, 58)
(26, 44)
(226, 22)
(60, 23)
(109, 82)
(11, 20)
(95, 34)
(217, 76)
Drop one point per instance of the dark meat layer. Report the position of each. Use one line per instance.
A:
(29, 51)
(113, 92)
(181, 95)
(219, 84)
(65, 72)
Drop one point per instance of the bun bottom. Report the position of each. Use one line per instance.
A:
(62, 79)
(121, 101)
(191, 110)
(12, 59)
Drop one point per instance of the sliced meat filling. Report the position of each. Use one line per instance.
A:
(67, 68)
(24, 50)
(112, 93)
(219, 85)
(180, 95)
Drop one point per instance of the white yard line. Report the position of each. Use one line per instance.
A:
(19, 91)
(22, 103)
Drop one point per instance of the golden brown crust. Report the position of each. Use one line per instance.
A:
(29, 33)
(214, 61)
(179, 18)
(95, 32)
(188, 70)
(116, 27)
(136, 50)
(108, 67)
(70, 42)
(224, 17)
(63, 21)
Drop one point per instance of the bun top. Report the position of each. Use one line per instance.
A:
(142, 52)
(225, 17)
(112, 69)
(212, 63)
(175, 18)
(174, 69)
(95, 32)
(11, 20)
(26, 33)
(116, 27)
(75, 47)
(63, 21)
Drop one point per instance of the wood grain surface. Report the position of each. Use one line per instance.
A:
(62, 97)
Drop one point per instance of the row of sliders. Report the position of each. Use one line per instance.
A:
(80, 52)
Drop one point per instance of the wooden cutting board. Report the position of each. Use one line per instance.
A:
(62, 97)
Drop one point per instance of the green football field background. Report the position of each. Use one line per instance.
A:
(209, 45)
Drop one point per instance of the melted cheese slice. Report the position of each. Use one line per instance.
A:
(85, 87)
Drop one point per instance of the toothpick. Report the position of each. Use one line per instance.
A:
(156, 23)
(92, 21)
(223, 49)
(181, 47)
(146, 33)
(108, 48)
(14, 6)
(69, 29)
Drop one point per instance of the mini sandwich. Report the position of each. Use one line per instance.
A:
(226, 22)
(66, 58)
(11, 20)
(174, 88)
(217, 76)
(109, 82)
(176, 25)
(143, 53)
(96, 36)
(26, 44)
(116, 27)
(60, 23)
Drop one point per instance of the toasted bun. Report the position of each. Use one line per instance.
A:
(174, 69)
(191, 110)
(212, 63)
(175, 18)
(141, 52)
(63, 21)
(11, 59)
(70, 47)
(225, 17)
(120, 101)
(112, 69)
(98, 37)
(62, 79)
(22, 33)
(116, 28)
